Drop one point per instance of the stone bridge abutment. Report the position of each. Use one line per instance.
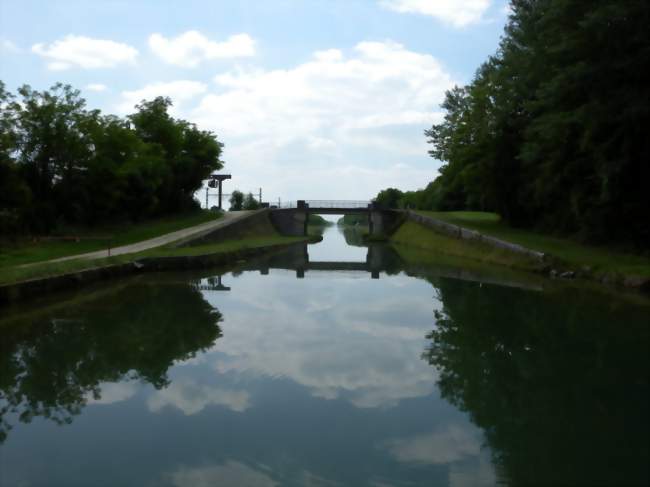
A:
(293, 220)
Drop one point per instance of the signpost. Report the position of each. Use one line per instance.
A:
(215, 181)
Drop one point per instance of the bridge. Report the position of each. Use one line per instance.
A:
(329, 207)
(291, 218)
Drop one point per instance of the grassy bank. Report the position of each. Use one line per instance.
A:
(81, 240)
(44, 270)
(439, 247)
(598, 261)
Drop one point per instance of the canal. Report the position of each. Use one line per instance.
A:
(332, 364)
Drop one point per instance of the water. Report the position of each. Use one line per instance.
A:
(287, 371)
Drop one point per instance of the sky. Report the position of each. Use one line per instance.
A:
(312, 99)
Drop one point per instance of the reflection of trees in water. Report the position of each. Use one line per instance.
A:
(50, 367)
(353, 235)
(559, 385)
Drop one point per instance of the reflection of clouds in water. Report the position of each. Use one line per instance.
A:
(455, 445)
(230, 474)
(446, 446)
(475, 474)
(236, 474)
(191, 398)
(112, 392)
(346, 338)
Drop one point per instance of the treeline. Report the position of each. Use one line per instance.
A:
(240, 201)
(552, 131)
(62, 163)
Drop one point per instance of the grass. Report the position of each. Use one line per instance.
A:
(97, 238)
(221, 247)
(17, 274)
(439, 246)
(600, 260)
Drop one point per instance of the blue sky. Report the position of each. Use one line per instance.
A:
(322, 99)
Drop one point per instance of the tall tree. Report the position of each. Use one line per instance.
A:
(549, 133)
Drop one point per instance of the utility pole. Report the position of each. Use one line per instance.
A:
(260, 195)
(206, 197)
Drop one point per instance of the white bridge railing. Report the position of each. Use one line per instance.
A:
(329, 204)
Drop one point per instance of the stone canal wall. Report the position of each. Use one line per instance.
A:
(42, 286)
(466, 234)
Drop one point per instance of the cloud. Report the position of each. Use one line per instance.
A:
(112, 392)
(451, 444)
(191, 398)
(229, 474)
(362, 113)
(455, 445)
(383, 85)
(376, 365)
(8, 46)
(192, 48)
(458, 13)
(96, 87)
(84, 52)
(179, 91)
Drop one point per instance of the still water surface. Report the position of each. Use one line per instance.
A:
(301, 369)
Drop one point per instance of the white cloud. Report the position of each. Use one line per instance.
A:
(191, 48)
(361, 113)
(190, 397)
(375, 365)
(446, 446)
(96, 87)
(455, 445)
(458, 13)
(85, 52)
(9, 46)
(383, 85)
(179, 91)
(112, 392)
(230, 474)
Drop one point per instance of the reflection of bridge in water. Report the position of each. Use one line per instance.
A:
(296, 258)
(380, 258)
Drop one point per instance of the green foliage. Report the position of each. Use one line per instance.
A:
(411, 234)
(53, 363)
(550, 133)
(353, 219)
(318, 221)
(250, 203)
(529, 373)
(601, 261)
(80, 240)
(388, 198)
(64, 164)
(236, 200)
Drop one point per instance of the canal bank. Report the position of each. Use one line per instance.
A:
(243, 237)
(552, 257)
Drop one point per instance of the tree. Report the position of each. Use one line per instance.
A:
(389, 198)
(53, 151)
(236, 200)
(250, 203)
(548, 133)
(190, 155)
(14, 192)
(61, 163)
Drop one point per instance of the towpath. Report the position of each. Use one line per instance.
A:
(185, 234)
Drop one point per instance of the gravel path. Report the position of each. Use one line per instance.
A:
(227, 219)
